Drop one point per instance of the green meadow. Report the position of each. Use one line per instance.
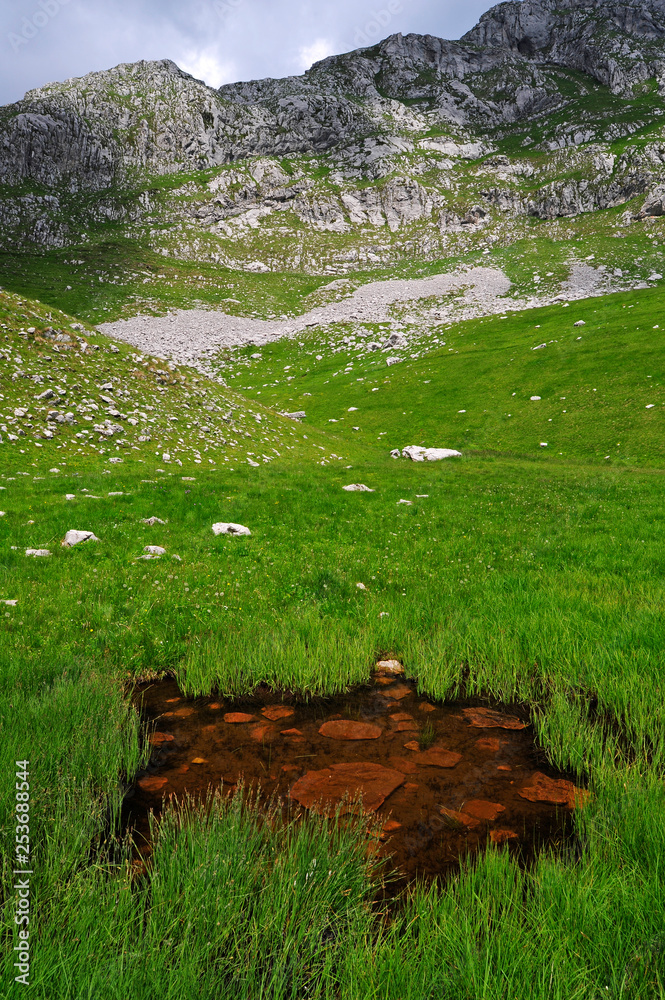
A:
(530, 571)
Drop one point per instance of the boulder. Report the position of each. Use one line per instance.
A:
(75, 537)
(155, 550)
(224, 528)
(419, 454)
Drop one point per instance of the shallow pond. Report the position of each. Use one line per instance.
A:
(446, 778)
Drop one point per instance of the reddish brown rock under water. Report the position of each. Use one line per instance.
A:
(151, 783)
(501, 836)
(482, 809)
(558, 791)
(459, 818)
(346, 729)
(490, 743)
(438, 757)
(326, 789)
(234, 718)
(275, 712)
(486, 718)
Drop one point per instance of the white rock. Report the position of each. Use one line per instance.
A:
(358, 488)
(10, 604)
(37, 552)
(393, 361)
(535, 399)
(654, 277)
(543, 444)
(228, 528)
(418, 454)
(580, 322)
(74, 537)
(116, 494)
(116, 461)
(153, 520)
(409, 503)
(395, 453)
(298, 415)
(70, 496)
(650, 406)
(250, 462)
(352, 409)
(360, 586)
(54, 470)
(390, 667)
(155, 550)
(539, 347)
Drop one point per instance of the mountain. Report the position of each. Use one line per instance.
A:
(539, 111)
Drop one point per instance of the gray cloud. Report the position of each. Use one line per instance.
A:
(219, 41)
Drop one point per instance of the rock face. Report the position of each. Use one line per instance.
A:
(619, 44)
(393, 122)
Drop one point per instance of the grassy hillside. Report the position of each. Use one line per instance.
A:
(519, 573)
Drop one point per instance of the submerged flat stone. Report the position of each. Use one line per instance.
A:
(398, 692)
(487, 718)
(260, 731)
(557, 791)
(438, 757)
(403, 765)
(490, 743)
(326, 789)
(158, 738)
(483, 809)
(236, 717)
(152, 783)
(275, 712)
(501, 836)
(460, 818)
(346, 729)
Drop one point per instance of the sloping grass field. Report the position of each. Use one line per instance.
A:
(531, 571)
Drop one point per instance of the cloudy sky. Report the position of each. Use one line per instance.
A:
(219, 41)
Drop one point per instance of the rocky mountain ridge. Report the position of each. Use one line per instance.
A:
(413, 131)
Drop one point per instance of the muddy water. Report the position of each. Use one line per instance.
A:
(446, 778)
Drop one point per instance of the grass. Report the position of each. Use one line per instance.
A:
(515, 573)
